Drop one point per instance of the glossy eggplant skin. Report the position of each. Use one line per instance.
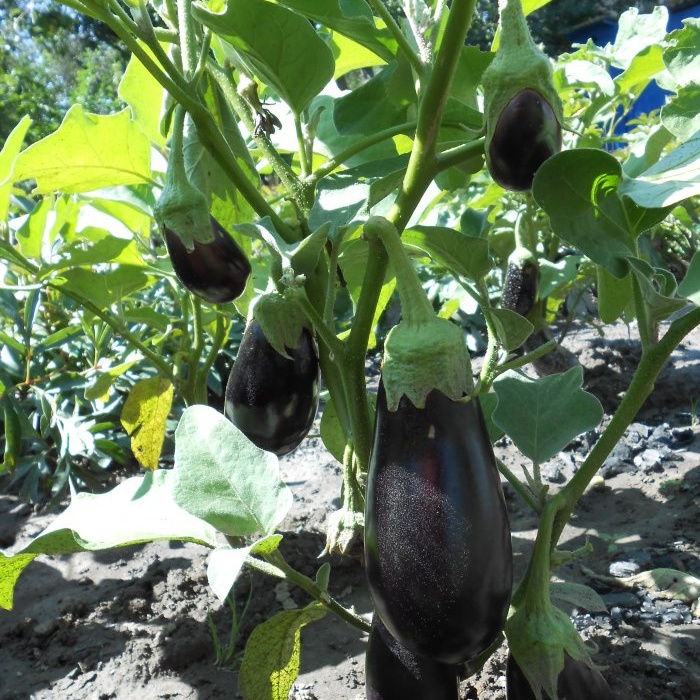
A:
(216, 272)
(272, 399)
(394, 673)
(526, 134)
(520, 288)
(577, 681)
(437, 539)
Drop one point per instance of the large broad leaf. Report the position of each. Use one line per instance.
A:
(682, 52)
(226, 562)
(140, 509)
(463, 255)
(271, 660)
(614, 294)
(543, 415)
(144, 94)
(658, 287)
(674, 178)
(681, 116)
(86, 153)
(223, 478)
(580, 190)
(9, 152)
(636, 32)
(143, 417)
(281, 47)
(353, 18)
(689, 288)
(380, 103)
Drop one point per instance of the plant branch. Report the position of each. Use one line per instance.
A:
(652, 362)
(404, 45)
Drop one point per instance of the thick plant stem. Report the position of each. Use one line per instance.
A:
(493, 349)
(652, 362)
(188, 43)
(533, 590)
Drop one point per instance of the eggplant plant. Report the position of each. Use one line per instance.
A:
(297, 210)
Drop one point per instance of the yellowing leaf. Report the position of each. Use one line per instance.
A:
(271, 661)
(87, 152)
(143, 417)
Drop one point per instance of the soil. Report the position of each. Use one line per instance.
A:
(137, 622)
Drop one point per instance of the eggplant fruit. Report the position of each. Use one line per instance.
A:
(520, 288)
(577, 681)
(437, 539)
(270, 398)
(216, 272)
(526, 134)
(394, 673)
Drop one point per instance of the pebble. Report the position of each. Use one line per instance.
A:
(555, 475)
(650, 460)
(623, 599)
(623, 569)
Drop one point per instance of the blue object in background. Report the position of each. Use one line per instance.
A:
(603, 32)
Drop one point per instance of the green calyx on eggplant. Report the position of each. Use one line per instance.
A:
(522, 109)
(577, 681)
(394, 673)
(271, 398)
(438, 552)
(216, 271)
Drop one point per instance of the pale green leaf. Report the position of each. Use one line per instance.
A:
(140, 509)
(614, 294)
(87, 152)
(579, 595)
(511, 328)
(10, 150)
(271, 660)
(281, 47)
(689, 288)
(681, 116)
(144, 94)
(636, 32)
(223, 478)
(543, 415)
(682, 52)
(674, 178)
(99, 389)
(225, 563)
(143, 417)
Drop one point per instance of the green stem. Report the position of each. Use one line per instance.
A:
(279, 565)
(533, 590)
(325, 334)
(188, 47)
(457, 155)
(357, 147)
(303, 151)
(652, 362)
(297, 189)
(415, 306)
(217, 343)
(193, 395)
(641, 312)
(527, 358)
(493, 348)
(518, 485)
(403, 43)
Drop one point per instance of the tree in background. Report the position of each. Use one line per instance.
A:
(50, 58)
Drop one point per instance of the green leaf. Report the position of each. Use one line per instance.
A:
(658, 289)
(281, 47)
(226, 562)
(577, 594)
(644, 66)
(674, 178)
(99, 389)
(223, 478)
(463, 255)
(614, 294)
(543, 415)
(352, 18)
(86, 153)
(682, 52)
(143, 417)
(271, 660)
(555, 275)
(689, 288)
(636, 32)
(511, 328)
(144, 94)
(9, 152)
(579, 191)
(488, 402)
(681, 116)
(140, 509)
(350, 55)
(380, 103)
(104, 289)
(332, 431)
